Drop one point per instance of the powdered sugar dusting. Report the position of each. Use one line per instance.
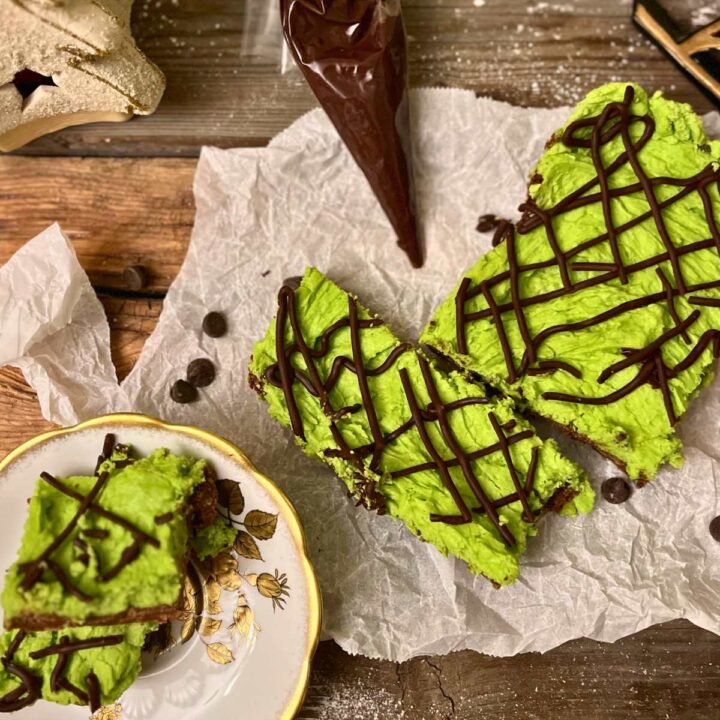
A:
(704, 15)
(356, 701)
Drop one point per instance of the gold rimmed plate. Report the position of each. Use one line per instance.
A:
(252, 617)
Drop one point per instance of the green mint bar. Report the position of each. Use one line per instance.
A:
(600, 309)
(107, 548)
(77, 666)
(461, 470)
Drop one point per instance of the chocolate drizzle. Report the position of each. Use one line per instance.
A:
(30, 686)
(367, 458)
(29, 690)
(164, 519)
(615, 121)
(32, 572)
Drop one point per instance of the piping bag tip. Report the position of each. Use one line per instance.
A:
(353, 56)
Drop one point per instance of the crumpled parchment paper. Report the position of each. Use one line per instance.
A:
(262, 216)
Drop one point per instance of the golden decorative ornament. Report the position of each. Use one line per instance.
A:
(220, 654)
(246, 546)
(243, 617)
(213, 591)
(110, 712)
(274, 587)
(223, 564)
(231, 580)
(209, 626)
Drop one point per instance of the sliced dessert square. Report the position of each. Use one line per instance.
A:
(600, 309)
(460, 469)
(77, 666)
(112, 547)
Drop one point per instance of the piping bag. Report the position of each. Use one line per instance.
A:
(353, 55)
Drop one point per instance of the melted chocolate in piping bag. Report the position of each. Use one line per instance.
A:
(353, 56)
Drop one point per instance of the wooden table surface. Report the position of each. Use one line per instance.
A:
(124, 195)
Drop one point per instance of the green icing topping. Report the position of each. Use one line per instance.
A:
(151, 487)
(215, 538)
(636, 429)
(414, 497)
(116, 666)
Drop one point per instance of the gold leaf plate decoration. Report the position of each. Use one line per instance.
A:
(252, 615)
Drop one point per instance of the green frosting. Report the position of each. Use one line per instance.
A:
(116, 666)
(635, 430)
(215, 538)
(415, 497)
(150, 488)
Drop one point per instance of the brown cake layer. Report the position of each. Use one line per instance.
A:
(201, 513)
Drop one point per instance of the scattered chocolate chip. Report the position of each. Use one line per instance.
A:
(293, 282)
(265, 274)
(135, 277)
(183, 392)
(536, 179)
(200, 372)
(214, 324)
(616, 490)
(488, 222)
(715, 528)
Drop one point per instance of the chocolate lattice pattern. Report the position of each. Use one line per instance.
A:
(33, 571)
(615, 121)
(283, 374)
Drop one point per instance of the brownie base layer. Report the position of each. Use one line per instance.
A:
(38, 622)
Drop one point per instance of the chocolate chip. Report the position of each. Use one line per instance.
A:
(715, 528)
(135, 277)
(616, 490)
(200, 372)
(183, 392)
(293, 282)
(536, 179)
(214, 325)
(488, 222)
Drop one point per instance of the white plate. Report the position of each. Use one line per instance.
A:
(275, 630)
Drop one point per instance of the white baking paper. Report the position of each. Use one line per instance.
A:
(264, 215)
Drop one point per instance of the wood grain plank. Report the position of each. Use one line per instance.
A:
(116, 212)
(526, 52)
(667, 671)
